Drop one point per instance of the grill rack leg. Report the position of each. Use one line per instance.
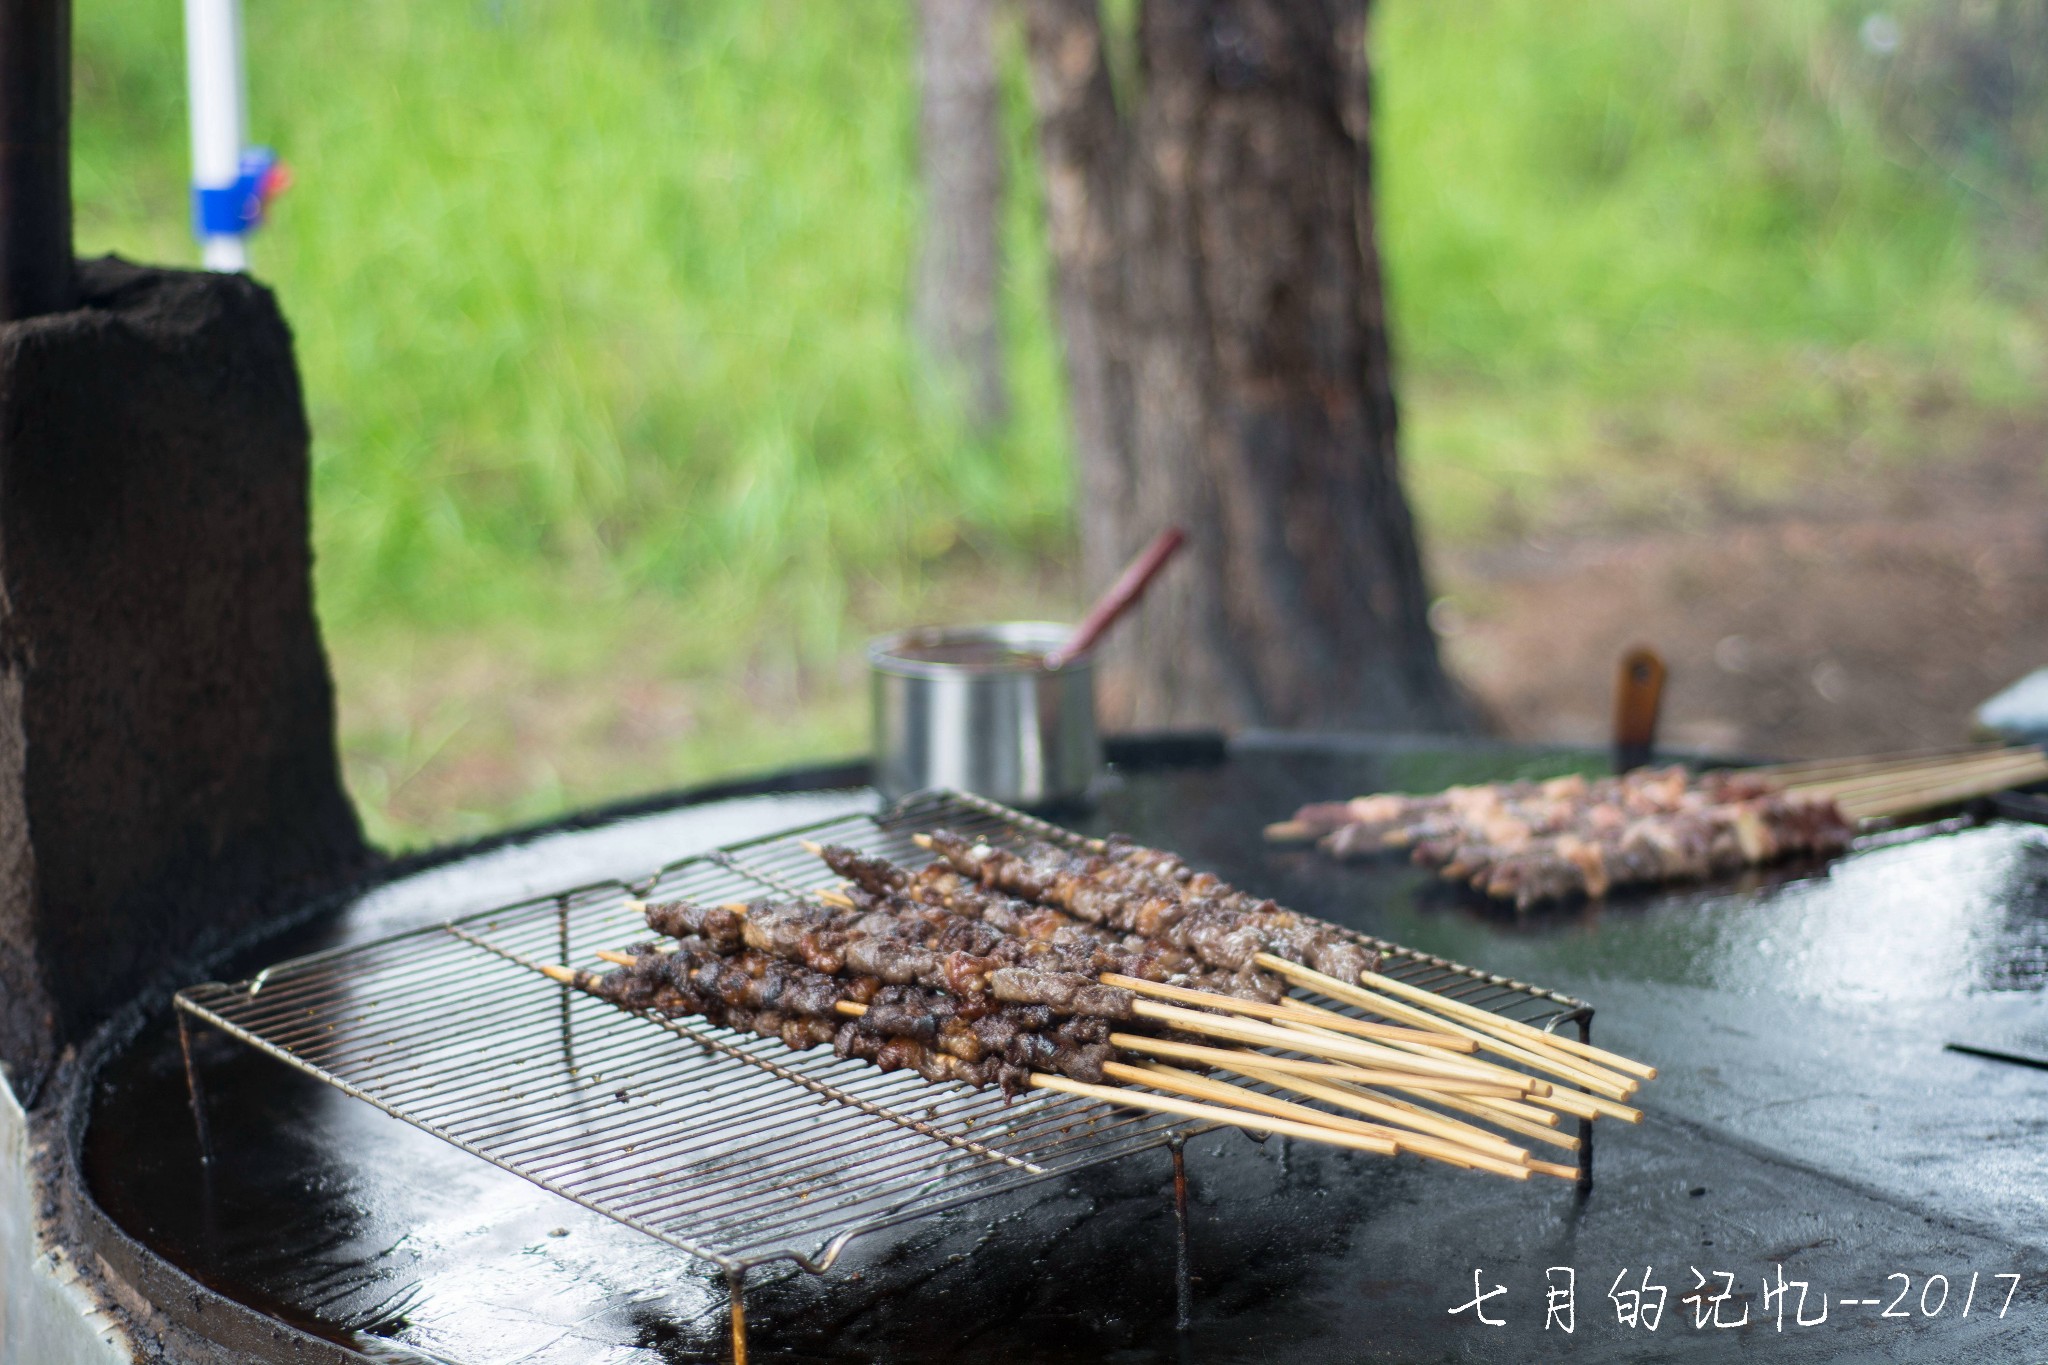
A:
(1183, 1280)
(193, 1093)
(1585, 1181)
(568, 1005)
(736, 1290)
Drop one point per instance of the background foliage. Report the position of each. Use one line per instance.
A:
(600, 307)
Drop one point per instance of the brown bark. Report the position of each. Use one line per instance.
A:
(1227, 360)
(957, 311)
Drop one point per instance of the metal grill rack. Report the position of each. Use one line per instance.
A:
(725, 1145)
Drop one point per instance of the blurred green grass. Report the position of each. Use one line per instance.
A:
(601, 313)
(1649, 251)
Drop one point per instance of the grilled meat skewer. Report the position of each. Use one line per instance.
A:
(1081, 945)
(1140, 891)
(978, 1041)
(1536, 841)
(912, 944)
(950, 971)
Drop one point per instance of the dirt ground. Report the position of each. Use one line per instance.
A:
(1869, 617)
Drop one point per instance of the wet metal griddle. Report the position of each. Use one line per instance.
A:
(725, 1145)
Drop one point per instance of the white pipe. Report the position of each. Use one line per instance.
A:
(224, 253)
(219, 110)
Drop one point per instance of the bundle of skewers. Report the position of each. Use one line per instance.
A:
(1531, 842)
(1117, 973)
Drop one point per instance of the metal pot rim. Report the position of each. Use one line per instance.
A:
(884, 656)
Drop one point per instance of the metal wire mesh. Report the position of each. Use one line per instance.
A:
(726, 1145)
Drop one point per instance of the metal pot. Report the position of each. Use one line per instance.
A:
(975, 708)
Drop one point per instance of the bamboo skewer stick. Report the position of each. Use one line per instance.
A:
(1412, 1139)
(1800, 769)
(1865, 770)
(1219, 1056)
(1903, 804)
(1470, 1076)
(1851, 771)
(1410, 1107)
(1520, 1108)
(1482, 1032)
(1381, 1107)
(1528, 1128)
(1231, 1057)
(1289, 1012)
(1442, 1139)
(1526, 1110)
(1211, 1113)
(1535, 1088)
(1371, 1055)
(1162, 1077)
(1188, 1083)
(1514, 1029)
(1481, 1080)
(1412, 1060)
(1579, 1074)
(1530, 1087)
(1137, 1099)
(1920, 791)
(1434, 1040)
(1588, 1052)
(1824, 781)
(1478, 1078)
(1575, 1102)
(1992, 768)
(1419, 1144)
(1881, 804)
(1249, 1064)
(1549, 1059)
(1430, 1116)
(1579, 1104)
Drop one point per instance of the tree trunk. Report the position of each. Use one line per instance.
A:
(956, 308)
(1219, 291)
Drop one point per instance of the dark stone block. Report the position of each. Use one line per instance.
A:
(167, 757)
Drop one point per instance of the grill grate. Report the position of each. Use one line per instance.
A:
(725, 1145)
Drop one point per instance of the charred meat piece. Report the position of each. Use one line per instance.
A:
(1531, 842)
(1148, 892)
(904, 1027)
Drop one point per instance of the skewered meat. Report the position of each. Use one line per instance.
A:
(915, 944)
(960, 978)
(881, 883)
(1536, 841)
(1146, 892)
(1051, 940)
(978, 1042)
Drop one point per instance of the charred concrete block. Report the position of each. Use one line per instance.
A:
(167, 757)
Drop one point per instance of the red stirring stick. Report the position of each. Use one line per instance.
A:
(1121, 597)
